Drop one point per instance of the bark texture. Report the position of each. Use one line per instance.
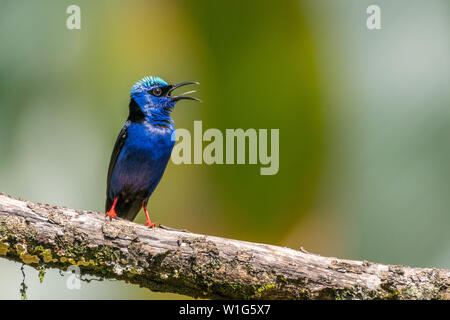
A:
(169, 260)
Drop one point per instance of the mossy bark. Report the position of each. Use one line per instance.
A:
(169, 260)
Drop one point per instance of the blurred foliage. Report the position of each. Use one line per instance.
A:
(264, 77)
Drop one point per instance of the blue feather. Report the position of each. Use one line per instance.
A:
(147, 83)
(142, 150)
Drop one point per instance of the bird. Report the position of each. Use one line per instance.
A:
(143, 147)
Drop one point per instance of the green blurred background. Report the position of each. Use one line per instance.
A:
(364, 119)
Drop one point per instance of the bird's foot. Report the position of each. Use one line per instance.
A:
(150, 224)
(111, 214)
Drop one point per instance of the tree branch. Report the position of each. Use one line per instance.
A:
(169, 260)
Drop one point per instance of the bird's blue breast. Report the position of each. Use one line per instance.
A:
(143, 158)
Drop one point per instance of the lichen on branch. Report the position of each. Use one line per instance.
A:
(170, 260)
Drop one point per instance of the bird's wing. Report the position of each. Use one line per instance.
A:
(115, 154)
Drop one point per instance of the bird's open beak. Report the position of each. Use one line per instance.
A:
(183, 95)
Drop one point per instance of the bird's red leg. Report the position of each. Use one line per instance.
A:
(112, 212)
(148, 223)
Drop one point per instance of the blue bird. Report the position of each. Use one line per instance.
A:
(143, 148)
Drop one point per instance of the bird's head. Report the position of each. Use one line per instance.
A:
(152, 98)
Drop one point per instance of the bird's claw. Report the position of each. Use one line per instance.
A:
(111, 214)
(149, 224)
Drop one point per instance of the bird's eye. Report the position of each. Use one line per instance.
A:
(157, 91)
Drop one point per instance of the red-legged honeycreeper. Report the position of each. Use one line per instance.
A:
(143, 148)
